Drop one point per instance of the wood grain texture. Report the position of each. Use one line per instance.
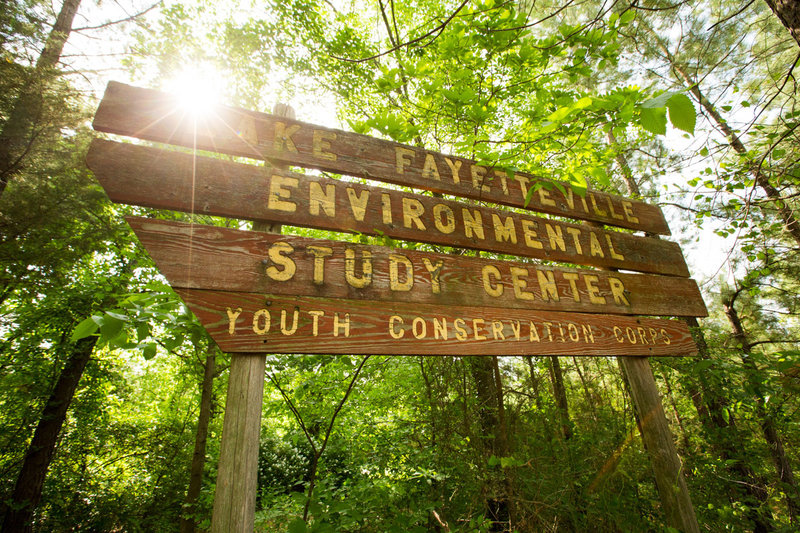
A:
(157, 178)
(237, 476)
(207, 257)
(660, 445)
(155, 116)
(248, 322)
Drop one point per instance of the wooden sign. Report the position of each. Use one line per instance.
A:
(247, 322)
(212, 258)
(266, 293)
(258, 292)
(155, 116)
(151, 177)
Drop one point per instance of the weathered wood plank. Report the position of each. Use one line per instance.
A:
(207, 257)
(237, 477)
(660, 445)
(151, 177)
(153, 115)
(248, 322)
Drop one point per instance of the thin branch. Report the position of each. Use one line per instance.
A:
(120, 21)
(532, 24)
(342, 402)
(440, 28)
(294, 411)
(780, 90)
(318, 454)
(636, 5)
(729, 17)
(777, 341)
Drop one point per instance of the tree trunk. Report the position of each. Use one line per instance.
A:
(782, 465)
(678, 417)
(590, 400)
(237, 474)
(503, 442)
(28, 489)
(188, 523)
(493, 435)
(791, 224)
(537, 397)
(723, 436)
(18, 132)
(788, 11)
(560, 396)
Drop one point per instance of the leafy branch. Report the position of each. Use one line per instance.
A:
(317, 451)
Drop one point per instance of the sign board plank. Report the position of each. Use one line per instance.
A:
(155, 116)
(248, 322)
(207, 257)
(157, 178)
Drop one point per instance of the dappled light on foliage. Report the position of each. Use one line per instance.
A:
(113, 395)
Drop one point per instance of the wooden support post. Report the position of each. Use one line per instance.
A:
(237, 475)
(235, 497)
(660, 446)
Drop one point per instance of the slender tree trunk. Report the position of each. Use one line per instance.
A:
(188, 523)
(782, 465)
(28, 489)
(492, 427)
(788, 11)
(622, 161)
(506, 510)
(19, 131)
(560, 396)
(537, 397)
(432, 407)
(791, 224)
(678, 417)
(503, 442)
(590, 401)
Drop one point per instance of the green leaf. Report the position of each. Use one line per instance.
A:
(297, 525)
(682, 114)
(578, 184)
(142, 331)
(118, 316)
(704, 151)
(529, 196)
(703, 364)
(110, 327)
(148, 350)
(85, 328)
(653, 120)
(560, 114)
(507, 462)
(658, 101)
(627, 17)
(601, 176)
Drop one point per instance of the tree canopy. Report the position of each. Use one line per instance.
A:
(113, 394)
